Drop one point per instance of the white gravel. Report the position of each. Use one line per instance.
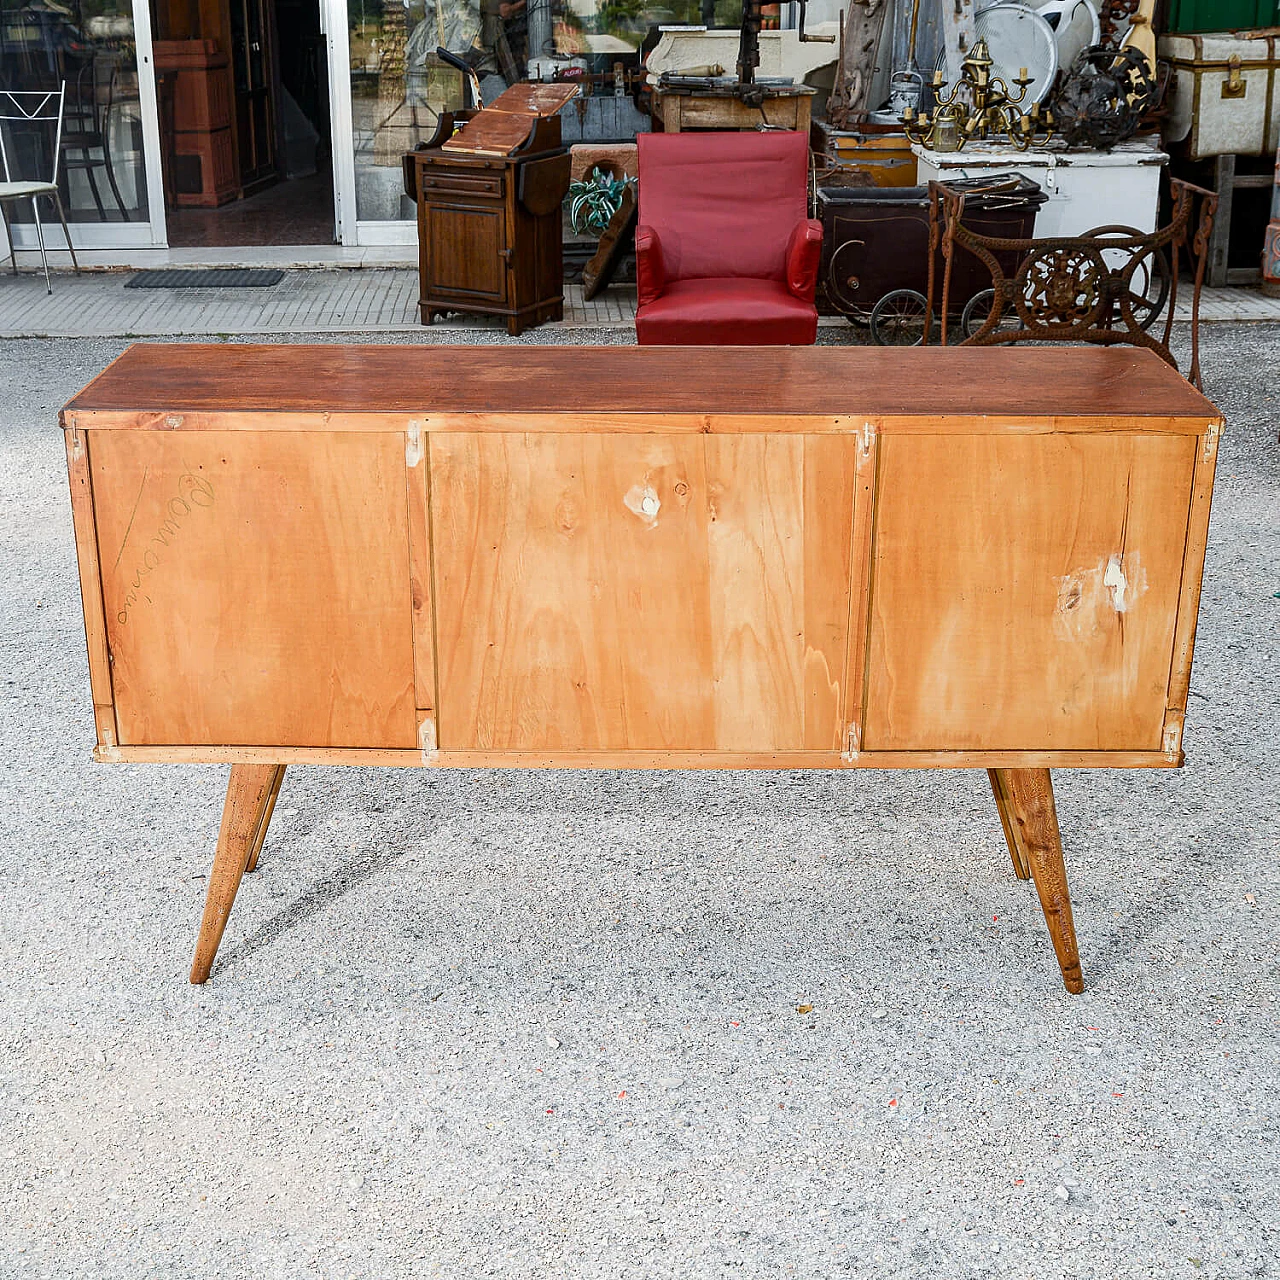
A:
(546, 1024)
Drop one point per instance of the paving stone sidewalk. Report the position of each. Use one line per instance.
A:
(366, 300)
(97, 304)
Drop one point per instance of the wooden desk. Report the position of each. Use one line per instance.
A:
(642, 558)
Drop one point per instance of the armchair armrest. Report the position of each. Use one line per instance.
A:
(804, 255)
(651, 275)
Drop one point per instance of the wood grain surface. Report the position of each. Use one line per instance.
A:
(1025, 590)
(1028, 794)
(641, 593)
(935, 382)
(90, 572)
(407, 758)
(257, 587)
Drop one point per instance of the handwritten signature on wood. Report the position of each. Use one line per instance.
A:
(193, 492)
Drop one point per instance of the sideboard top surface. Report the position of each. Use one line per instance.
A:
(745, 382)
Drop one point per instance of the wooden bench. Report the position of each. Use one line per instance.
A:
(642, 558)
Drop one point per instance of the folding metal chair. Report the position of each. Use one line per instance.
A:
(32, 107)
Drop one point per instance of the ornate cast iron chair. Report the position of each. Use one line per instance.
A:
(1107, 286)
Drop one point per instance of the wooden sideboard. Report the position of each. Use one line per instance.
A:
(642, 558)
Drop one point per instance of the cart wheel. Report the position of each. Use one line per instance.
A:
(898, 319)
(978, 308)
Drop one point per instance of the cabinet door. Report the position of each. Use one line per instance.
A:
(464, 245)
(1025, 590)
(256, 586)
(633, 593)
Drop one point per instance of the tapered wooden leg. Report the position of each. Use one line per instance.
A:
(267, 810)
(999, 790)
(242, 816)
(1034, 818)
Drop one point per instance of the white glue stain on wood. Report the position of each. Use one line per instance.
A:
(427, 739)
(1089, 600)
(413, 445)
(866, 438)
(643, 501)
(1212, 432)
(1115, 582)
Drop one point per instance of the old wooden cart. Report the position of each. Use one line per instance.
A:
(642, 558)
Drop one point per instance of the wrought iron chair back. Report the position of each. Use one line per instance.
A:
(32, 106)
(1072, 288)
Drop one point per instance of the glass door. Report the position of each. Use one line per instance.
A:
(108, 161)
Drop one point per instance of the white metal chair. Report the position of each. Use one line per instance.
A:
(32, 107)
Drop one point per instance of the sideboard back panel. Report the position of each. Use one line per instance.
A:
(641, 592)
(1025, 589)
(256, 587)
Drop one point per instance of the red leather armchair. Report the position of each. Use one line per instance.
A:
(725, 251)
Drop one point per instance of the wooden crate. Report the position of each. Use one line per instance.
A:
(885, 158)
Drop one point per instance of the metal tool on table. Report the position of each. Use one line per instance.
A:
(906, 87)
(749, 47)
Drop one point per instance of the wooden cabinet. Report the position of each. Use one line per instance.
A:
(654, 557)
(489, 231)
(202, 164)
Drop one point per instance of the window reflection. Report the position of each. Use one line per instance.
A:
(89, 44)
(399, 86)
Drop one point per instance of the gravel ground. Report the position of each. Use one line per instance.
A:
(546, 1024)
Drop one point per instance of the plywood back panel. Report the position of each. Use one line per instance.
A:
(641, 593)
(257, 587)
(1024, 590)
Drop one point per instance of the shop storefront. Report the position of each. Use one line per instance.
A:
(278, 122)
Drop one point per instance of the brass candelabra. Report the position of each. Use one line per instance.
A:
(980, 106)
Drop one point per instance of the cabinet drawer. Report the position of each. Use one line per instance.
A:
(462, 183)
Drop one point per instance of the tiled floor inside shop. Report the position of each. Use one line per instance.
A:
(295, 211)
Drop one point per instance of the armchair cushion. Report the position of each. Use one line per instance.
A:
(725, 252)
(734, 311)
(723, 203)
(651, 276)
(804, 254)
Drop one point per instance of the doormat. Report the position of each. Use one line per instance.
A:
(207, 278)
